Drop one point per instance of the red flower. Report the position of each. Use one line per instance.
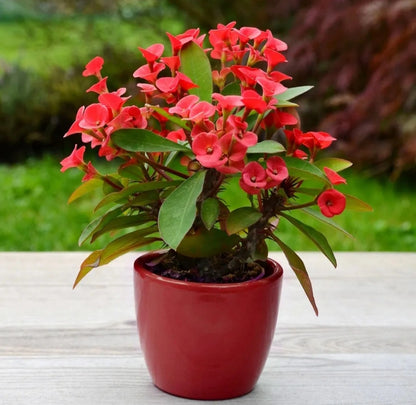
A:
(93, 67)
(253, 178)
(201, 111)
(331, 202)
(149, 73)
(276, 169)
(112, 100)
(184, 105)
(227, 103)
(75, 128)
(129, 117)
(99, 87)
(178, 135)
(317, 140)
(152, 53)
(173, 62)
(207, 150)
(75, 159)
(95, 116)
(180, 40)
(334, 177)
(253, 101)
(90, 172)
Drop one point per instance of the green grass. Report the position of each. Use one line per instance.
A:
(35, 215)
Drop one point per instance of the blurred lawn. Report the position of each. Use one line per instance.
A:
(35, 216)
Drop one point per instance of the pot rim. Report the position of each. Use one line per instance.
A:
(277, 272)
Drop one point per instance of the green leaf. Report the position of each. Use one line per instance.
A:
(267, 146)
(85, 188)
(285, 104)
(87, 265)
(355, 204)
(232, 89)
(125, 221)
(241, 219)
(142, 140)
(328, 221)
(195, 64)
(178, 211)
(173, 118)
(335, 164)
(207, 243)
(122, 195)
(131, 171)
(210, 209)
(114, 249)
(293, 92)
(97, 223)
(305, 170)
(299, 269)
(315, 236)
(111, 184)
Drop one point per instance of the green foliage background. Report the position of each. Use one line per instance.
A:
(44, 45)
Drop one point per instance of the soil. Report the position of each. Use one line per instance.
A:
(224, 268)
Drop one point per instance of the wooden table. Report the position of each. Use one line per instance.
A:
(59, 346)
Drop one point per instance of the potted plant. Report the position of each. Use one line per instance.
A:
(210, 158)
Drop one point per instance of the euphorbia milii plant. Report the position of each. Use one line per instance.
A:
(217, 121)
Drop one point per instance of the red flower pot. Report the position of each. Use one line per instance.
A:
(205, 341)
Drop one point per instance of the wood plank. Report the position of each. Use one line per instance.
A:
(59, 345)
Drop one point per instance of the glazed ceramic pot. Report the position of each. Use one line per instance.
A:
(205, 341)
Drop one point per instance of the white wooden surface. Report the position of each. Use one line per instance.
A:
(59, 346)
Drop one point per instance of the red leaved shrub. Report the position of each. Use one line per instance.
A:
(365, 92)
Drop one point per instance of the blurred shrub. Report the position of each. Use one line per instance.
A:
(36, 111)
(361, 55)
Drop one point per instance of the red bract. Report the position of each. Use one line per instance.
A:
(172, 62)
(112, 100)
(184, 105)
(273, 58)
(334, 177)
(227, 103)
(317, 140)
(129, 117)
(93, 67)
(149, 73)
(270, 87)
(178, 135)
(279, 119)
(331, 202)
(207, 150)
(201, 111)
(253, 101)
(75, 159)
(90, 172)
(99, 87)
(179, 41)
(276, 169)
(253, 178)
(95, 116)
(152, 53)
(75, 128)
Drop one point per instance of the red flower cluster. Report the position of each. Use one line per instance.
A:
(217, 131)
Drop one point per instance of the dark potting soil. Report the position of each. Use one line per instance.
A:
(224, 268)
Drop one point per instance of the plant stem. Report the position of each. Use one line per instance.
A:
(161, 167)
(295, 207)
